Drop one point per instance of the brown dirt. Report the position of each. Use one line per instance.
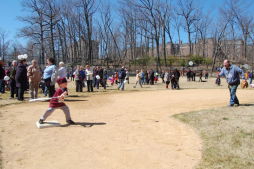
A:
(139, 132)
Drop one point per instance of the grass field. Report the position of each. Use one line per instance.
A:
(227, 135)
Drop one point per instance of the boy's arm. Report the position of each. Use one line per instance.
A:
(62, 96)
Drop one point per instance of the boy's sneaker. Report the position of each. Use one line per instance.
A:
(70, 122)
(41, 121)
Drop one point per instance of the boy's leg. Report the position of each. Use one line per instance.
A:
(66, 111)
(47, 113)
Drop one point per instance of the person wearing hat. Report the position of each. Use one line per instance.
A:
(2, 74)
(21, 77)
(57, 102)
(34, 75)
(121, 76)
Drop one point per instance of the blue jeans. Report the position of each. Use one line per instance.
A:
(121, 84)
(250, 80)
(2, 86)
(233, 97)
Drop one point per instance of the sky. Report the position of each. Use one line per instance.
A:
(10, 9)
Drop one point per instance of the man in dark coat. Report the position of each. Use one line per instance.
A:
(21, 77)
(122, 75)
(152, 77)
(177, 77)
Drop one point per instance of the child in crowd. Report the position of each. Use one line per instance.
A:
(57, 102)
(138, 79)
(112, 80)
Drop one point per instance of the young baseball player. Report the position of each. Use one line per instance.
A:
(57, 102)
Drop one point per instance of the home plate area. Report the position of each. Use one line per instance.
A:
(48, 124)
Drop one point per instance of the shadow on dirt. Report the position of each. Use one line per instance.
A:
(84, 124)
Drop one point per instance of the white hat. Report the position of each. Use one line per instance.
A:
(22, 57)
(6, 78)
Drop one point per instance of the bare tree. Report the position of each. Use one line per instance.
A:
(147, 12)
(239, 10)
(4, 44)
(190, 14)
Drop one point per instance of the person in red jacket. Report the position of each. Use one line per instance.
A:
(57, 102)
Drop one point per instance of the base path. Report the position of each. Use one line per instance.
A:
(115, 131)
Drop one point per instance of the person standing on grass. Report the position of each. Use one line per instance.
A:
(127, 76)
(121, 76)
(162, 76)
(105, 78)
(89, 78)
(13, 88)
(146, 77)
(200, 76)
(34, 75)
(50, 76)
(138, 79)
(232, 74)
(152, 76)
(21, 77)
(78, 79)
(142, 77)
(167, 78)
(177, 75)
(2, 74)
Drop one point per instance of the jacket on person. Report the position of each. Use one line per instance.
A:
(122, 74)
(12, 73)
(89, 74)
(49, 71)
(62, 72)
(34, 74)
(232, 74)
(21, 76)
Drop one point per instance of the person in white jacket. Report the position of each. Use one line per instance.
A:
(62, 72)
(89, 78)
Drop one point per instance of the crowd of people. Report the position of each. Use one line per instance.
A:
(21, 77)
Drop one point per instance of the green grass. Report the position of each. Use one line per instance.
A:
(227, 135)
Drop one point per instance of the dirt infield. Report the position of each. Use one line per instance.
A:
(116, 131)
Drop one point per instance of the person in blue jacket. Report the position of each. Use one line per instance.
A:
(232, 74)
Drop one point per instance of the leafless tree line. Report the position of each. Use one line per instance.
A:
(83, 31)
